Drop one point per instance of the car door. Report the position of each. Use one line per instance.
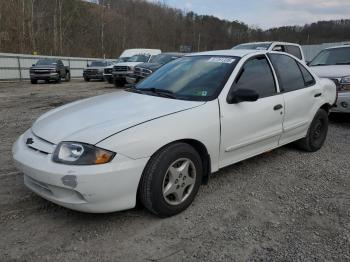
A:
(61, 68)
(299, 93)
(250, 128)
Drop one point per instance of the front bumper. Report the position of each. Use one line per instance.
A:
(95, 189)
(343, 103)
(93, 76)
(122, 74)
(51, 76)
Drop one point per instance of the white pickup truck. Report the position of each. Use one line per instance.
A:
(124, 57)
(158, 142)
(290, 48)
(122, 70)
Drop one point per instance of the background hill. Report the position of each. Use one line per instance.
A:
(79, 28)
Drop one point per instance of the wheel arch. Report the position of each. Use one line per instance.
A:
(326, 107)
(201, 150)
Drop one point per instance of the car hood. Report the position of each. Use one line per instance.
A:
(332, 71)
(94, 119)
(151, 66)
(131, 64)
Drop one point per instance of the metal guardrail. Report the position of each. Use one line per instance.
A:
(16, 66)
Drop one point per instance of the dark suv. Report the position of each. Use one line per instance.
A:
(143, 70)
(49, 69)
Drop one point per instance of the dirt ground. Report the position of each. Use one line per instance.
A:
(286, 205)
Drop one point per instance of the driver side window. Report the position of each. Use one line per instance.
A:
(256, 74)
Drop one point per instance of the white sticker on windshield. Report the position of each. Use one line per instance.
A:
(223, 60)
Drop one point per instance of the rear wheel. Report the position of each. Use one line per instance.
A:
(316, 134)
(171, 180)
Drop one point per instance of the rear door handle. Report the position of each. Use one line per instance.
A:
(277, 107)
(318, 95)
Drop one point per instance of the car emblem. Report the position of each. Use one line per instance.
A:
(29, 141)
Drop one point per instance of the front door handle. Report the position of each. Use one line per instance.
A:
(318, 95)
(277, 107)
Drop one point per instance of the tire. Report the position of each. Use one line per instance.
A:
(155, 189)
(119, 82)
(110, 80)
(316, 134)
(59, 79)
(87, 79)
(33, 81)
(67, 78)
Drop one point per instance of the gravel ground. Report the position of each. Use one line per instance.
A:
(285, 205)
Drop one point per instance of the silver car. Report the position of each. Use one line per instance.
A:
(334, 63)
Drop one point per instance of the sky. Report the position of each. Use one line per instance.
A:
(267, 13)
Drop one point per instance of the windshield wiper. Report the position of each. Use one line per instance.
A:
(158, 91)
(343, 63)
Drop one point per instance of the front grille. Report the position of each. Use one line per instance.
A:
(108, 70)
(38, 144)
(41, 71)
(92, 71)
(142, 72)
(121, 68)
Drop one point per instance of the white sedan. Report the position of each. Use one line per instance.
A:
(158, 142)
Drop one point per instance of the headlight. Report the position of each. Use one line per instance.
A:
(53, 70)
(73, 153)
(345, 80)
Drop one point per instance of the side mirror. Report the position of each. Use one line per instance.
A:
(242, 95)
(33, 64)
(308, 63)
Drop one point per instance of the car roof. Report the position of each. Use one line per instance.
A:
(230, 52)
(173, 53)
(338, 46)
(271, 42)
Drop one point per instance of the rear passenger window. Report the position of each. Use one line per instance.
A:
(294, 50)
(309, 80)
(256, 75)
(288, 72)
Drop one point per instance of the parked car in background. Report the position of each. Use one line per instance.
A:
(143, 70)
(122, 70)
(334, 63)
(124, 57)
(95, 70)
(49, 69)
(159, 141)
(290, 48)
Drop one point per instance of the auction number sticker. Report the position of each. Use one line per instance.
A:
(223, 60)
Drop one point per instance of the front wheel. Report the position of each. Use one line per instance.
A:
(171, 180)
(67, 78)
(316, 134)
(33, 81)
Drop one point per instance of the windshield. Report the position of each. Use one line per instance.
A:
(199, 78)
(336, 56)
(122, 59)
(256, 46)
(163, 58)
(139, 58)
(46, 62)
(98, 64)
